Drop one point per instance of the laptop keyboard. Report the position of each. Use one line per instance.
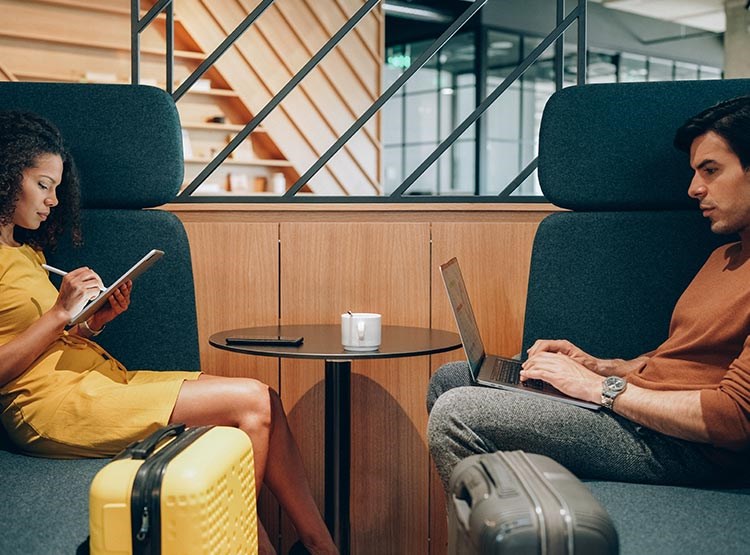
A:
(509, 371)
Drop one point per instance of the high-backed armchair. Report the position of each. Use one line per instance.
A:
(126, 141)
(607, 274)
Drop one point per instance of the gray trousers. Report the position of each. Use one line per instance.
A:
(466, 420)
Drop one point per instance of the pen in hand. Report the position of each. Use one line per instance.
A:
(60, 272)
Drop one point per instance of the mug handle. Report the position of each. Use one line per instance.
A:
(361, 330)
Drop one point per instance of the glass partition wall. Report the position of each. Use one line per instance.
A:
(491, 153)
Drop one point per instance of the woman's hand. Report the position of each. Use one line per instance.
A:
(118, 303)
(76, 289)
(564, 373)
(566, 348)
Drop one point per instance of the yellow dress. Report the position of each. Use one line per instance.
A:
(74, 400)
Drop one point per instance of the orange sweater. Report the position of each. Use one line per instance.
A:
(708, 349)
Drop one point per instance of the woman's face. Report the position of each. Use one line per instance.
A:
(38, 191)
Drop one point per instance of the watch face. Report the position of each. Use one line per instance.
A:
(614, 384)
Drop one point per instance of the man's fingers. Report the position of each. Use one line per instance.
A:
(549, 345)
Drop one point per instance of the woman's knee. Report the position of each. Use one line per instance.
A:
(255, 401)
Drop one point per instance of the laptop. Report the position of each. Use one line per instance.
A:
(491, 370)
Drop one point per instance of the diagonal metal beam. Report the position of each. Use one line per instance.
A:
(260, 116)
(476, 114)
(155, 10)
(169, 70)
(582, 39)
(219, 50)
(520, 178)
(357, 125)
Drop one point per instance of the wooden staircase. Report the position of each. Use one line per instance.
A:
(79, 41)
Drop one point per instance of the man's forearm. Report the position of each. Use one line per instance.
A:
(674, 413)
(620, 367)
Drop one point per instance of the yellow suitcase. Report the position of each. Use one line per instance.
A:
(181, 491)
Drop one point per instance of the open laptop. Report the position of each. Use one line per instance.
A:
(491, 370)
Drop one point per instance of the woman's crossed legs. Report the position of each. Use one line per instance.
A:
(256, 409)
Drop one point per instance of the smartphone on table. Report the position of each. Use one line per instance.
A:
(274, 340)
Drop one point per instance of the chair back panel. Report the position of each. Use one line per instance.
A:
(126, 139)
(608, 281)
(608, 274)
(609, 146)
(159, 330)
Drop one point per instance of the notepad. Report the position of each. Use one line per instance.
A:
(96, 303)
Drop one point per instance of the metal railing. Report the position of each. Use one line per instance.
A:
(138, 25)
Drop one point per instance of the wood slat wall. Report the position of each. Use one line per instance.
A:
(316, 113)
(331, 259)
(71, 40)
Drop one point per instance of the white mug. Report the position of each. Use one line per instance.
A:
(360, 331)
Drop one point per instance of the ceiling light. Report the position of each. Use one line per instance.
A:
(504, 44)
(409, 11)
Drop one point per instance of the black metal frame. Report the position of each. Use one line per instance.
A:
(556, 36)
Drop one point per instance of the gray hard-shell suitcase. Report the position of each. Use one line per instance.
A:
(514, 502)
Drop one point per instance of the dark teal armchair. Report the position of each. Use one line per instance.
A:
(126, 141)
(607, 274)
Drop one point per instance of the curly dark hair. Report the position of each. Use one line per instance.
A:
(729, 119)
(23, 138)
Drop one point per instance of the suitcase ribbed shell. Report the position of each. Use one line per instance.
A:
(207, 500)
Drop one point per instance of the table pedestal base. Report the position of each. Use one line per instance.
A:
(337, 450)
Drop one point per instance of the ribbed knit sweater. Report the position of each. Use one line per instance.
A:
(708, 349)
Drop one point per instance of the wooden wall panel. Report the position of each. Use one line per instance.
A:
(377, 267)
(236, 273)
(383, 259)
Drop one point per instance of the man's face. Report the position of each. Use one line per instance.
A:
(720, 184)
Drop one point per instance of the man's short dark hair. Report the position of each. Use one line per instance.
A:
(729, 119)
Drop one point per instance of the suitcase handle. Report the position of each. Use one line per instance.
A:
(145, 448)
(474, 487)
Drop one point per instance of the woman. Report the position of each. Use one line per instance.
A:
(61, 395)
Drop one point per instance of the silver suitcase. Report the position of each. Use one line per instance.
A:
(518, 503)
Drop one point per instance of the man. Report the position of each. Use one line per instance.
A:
(677, 415)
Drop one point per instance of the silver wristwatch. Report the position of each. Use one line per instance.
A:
(612, 386)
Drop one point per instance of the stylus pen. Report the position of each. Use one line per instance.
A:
(54, 270)
(60, 272)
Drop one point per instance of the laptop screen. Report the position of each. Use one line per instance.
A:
(465, 320)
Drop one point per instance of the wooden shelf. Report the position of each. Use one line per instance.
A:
(222, 193)
(184, 54)
(38, 76)
(253, 162)
(94, 7)
(58, 78)
(208, 126)
(215, 92)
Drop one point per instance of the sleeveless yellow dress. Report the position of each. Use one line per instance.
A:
(75, 400)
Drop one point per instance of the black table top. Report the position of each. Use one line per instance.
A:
(323, 341)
